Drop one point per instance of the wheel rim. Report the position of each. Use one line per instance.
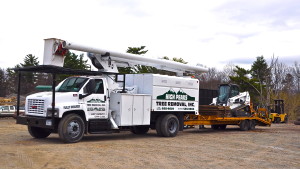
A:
(73, 129)
(172, 126)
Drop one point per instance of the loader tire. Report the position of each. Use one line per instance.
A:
(71, 128)
(158, 125)
(38, 132)
(169, 125)
(277, 120)
(244, 125)
(139, 130)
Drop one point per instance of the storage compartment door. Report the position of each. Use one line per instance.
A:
(147, 107)
(138, 110)
(126, 110)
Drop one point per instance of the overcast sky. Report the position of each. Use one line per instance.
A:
(213, 33)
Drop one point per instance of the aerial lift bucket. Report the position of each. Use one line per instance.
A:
(54, 53)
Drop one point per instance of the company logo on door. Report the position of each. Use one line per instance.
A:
(172, 95)
(95, 101)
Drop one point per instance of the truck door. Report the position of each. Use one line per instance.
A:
(95, 99)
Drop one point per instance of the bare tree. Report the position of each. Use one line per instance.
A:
(296, 72)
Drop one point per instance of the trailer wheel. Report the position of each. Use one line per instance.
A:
(252, 124)
(244, 125)
(158, 125)
(38, 132)
(223, 127)
(215, 127)
(139, 129)
(71, 128)
(169, 125)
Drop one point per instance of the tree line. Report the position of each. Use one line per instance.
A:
(265, 82)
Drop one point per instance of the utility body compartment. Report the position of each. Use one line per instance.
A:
(169, 93)
(130, 109)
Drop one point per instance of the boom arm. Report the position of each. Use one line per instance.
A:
(108, 61)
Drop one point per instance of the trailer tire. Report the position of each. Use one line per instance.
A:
(252, 124)
(71, 128)
(158, 125)
(215, 127)
(222, 127)
(139, 129)
(38, 132)
(244, 125)
(169, 125)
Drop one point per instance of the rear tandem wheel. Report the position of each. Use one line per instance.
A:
(169, 125)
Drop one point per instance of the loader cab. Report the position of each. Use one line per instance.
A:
(227, 91)
(279, 106)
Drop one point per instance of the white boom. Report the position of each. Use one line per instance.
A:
(108, 61)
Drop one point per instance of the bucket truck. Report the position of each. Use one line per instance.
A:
(105, 101)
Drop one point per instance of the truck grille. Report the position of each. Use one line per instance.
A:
(36, 106)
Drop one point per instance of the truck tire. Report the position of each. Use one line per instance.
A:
(139, 129)
(169, 125)
(71, 128)
(215, 127)
(222, 127)
(252, 124)
(158, 125)
(244, 125)
(38, 132)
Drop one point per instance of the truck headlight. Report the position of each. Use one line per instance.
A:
(49, 112)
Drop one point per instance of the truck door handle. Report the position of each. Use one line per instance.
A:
(105, 98)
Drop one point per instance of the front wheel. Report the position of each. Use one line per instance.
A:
(71, 128)
(38, 132)
(169, 125)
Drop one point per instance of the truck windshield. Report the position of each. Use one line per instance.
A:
(224, 93)
(72, 84)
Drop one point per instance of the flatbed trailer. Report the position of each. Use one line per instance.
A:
(218, 118)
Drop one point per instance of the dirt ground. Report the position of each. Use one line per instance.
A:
(277, 146)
